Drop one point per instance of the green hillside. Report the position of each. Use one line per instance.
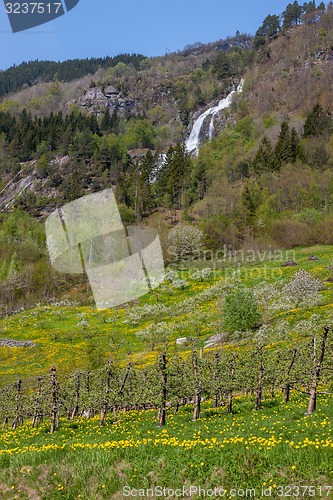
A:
(222, 376)
(188, 304)
(264, 180)
(229, 445)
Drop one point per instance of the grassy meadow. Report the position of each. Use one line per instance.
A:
(70, 337)
(277, 448)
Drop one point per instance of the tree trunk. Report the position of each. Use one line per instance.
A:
(286, 393)
(77, 395)
(105, 403)
(115, 420)
(38, 413)
(17, 419)
(230, 396)
(55, 398)
(216, 378)
(162, 411)
(230, 401)
(286, 390)
(258, 391)
(316, 375)
(197, 404)
(198, 385)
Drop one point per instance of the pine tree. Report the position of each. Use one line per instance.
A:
(318, 122)
(294, 143)
(263, 158)
(251, 199)
(106, 121)
(283, 146)
(103, 157)
(309, 7)
(292, 15)
(267, 31)
(199, 181)
(174, 177)
(221, 65)
(143, 193)
(114, 122)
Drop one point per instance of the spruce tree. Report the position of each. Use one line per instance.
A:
(267, 31)
(251, 199)
(294, 142)
(318, 122)
(143, 171)
(174, 177)
(292, 15)
(263, 157)
(283, 146)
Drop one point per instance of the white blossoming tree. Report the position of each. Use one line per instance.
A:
(185, 242)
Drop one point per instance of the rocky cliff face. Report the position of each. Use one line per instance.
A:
(240, 42)
(21, 182)
(97, 99)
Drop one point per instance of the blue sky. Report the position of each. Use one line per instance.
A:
(105, 27)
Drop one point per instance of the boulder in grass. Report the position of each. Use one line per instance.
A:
(181, 341)
(290, 263)
(16, 343)
(186, 340)
(216, 340)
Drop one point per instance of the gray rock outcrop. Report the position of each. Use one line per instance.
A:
(16, 343)
(97, 99)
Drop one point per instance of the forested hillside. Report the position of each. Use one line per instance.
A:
(221, 375)
(30, 73)
(264, 180)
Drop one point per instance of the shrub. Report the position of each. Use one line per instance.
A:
(303, 287)
(202, 274)
(240, 311)
(290, 233)
(179, 284)
(186, 242)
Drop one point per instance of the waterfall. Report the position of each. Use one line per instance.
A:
(193, 141)
(161, 160)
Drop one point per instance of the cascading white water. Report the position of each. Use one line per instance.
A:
(193, 141)
(159, 165)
